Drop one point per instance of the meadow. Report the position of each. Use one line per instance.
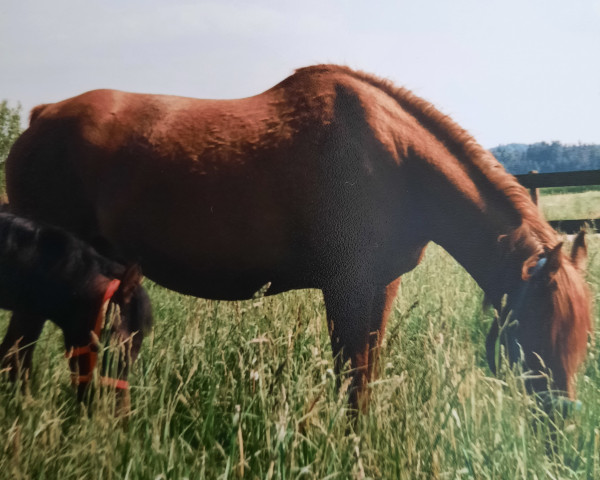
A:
(566, 205)
(245, 390)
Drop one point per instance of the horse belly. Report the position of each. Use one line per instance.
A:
(215, 284)
(201, 236)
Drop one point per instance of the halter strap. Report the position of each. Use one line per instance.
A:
(91, 349)
(541, 263)
(108, 294)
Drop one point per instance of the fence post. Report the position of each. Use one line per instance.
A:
(534, 192)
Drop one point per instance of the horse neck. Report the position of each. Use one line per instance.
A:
(479, 249)
(484, 219)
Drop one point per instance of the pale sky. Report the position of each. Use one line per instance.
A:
(508, 71)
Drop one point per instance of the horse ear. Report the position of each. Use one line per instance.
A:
(579, 251)
(553, 259)
(130, 281)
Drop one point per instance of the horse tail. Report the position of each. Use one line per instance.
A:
(35, 112)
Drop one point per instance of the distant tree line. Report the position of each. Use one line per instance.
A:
(547, 157)
(10, 127)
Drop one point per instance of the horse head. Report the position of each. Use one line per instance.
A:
(545, 321)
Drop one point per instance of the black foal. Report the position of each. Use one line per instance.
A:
(46, 273)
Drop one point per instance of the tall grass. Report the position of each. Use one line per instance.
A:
(245, 390)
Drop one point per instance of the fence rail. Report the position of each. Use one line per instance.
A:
(560, 179)
(533, 181)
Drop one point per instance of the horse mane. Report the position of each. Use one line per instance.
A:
(532, 237)
(571, 319)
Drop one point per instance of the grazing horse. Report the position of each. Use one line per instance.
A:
(333, 179)
(46, 273)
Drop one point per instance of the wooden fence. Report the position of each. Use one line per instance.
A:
(534, 181)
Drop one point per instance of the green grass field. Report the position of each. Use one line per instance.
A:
(245, 390)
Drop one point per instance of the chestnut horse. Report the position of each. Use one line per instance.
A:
(333, 179)
(46, 273)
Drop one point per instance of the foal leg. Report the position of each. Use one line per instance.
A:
(16, 350)
(356, 316)
(129, 348)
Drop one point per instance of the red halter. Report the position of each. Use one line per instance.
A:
(91, 349)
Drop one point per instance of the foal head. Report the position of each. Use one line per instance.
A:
(546, 320)
(126, 328)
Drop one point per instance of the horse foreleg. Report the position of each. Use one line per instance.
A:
(382, 307)
(16, 350)
(356, 317)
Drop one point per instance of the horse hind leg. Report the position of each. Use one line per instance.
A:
(16, 350)
(357, 316)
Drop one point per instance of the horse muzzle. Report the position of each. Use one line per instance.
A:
(549, 401)
(552, 402)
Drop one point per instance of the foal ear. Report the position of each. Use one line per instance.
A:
(130, 281)
(553, 259)
(579, 251)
